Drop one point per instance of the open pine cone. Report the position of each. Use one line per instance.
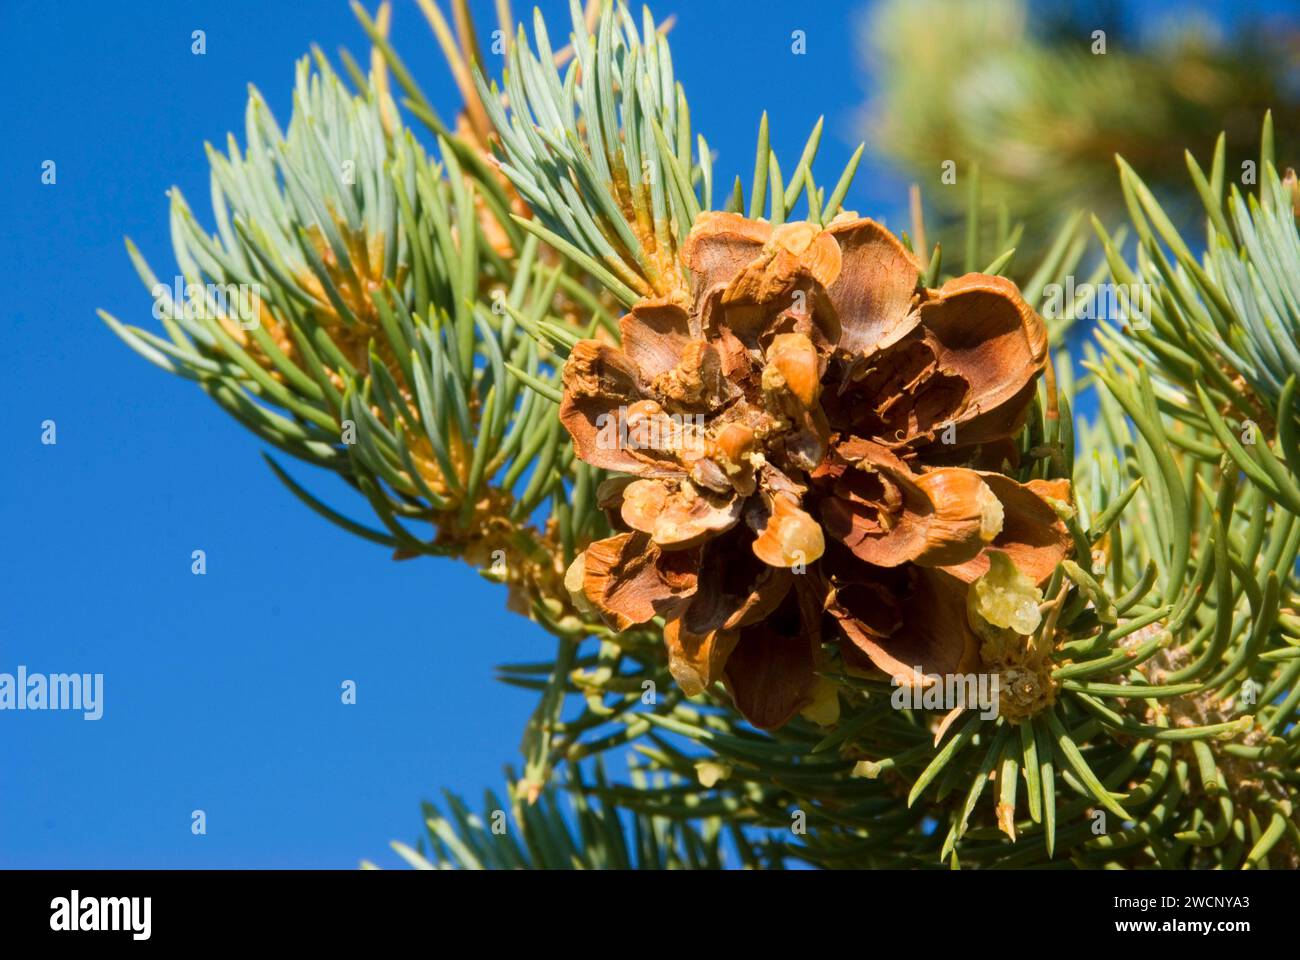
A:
(812, 443)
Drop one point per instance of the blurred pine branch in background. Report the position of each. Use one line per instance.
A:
(1024, 91)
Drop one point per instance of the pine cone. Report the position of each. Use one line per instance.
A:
(813, 442)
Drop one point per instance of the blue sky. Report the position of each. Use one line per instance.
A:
(222, 691)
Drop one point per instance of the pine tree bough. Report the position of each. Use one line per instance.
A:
(759, 473)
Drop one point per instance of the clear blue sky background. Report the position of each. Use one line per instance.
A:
(222, 691)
